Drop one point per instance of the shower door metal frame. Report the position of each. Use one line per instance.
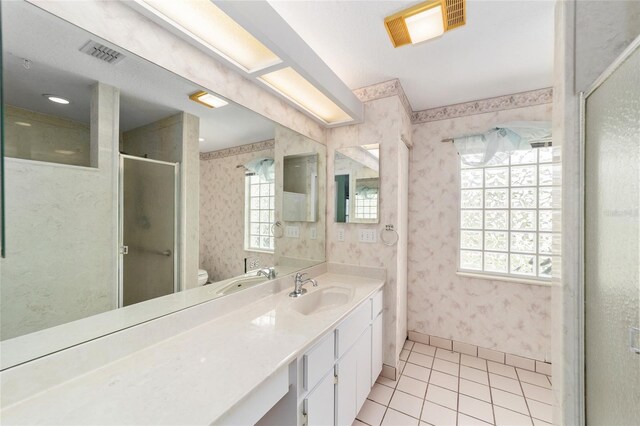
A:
(176, 222)
(631, 48)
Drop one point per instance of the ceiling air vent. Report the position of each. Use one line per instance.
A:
(456, 14)
(102, 52)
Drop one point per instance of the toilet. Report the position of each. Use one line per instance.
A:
(203, 276)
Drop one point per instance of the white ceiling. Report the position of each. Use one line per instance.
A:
(148, 92)
(506, 47)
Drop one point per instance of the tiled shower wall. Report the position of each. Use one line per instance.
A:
(504, 316)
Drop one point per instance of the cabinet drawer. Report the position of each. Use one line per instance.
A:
(376, 305)
(318, 360)
(351, 328)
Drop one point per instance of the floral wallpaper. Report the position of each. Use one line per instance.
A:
(509, 317)
(222, 204)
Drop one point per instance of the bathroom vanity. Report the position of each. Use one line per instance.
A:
(275, 360)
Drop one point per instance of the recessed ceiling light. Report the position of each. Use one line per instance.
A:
(57, 99)
(425, 21)
(64, 152)
(201, 139)
(22, 123)
(208, 25)
(207, 99)
(298, 90)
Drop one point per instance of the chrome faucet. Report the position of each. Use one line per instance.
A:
(269, 273)
(300, 280)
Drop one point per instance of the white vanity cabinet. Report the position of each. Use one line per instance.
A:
(336, 374)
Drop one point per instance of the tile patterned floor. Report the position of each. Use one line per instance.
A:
(439, 387)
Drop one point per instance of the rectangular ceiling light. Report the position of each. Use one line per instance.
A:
(204, 22)
(425, 21)
(207, 99)
(297, 89)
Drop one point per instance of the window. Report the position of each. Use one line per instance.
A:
(260, 213)
(505, 216)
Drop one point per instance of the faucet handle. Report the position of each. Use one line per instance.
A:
(300, 276)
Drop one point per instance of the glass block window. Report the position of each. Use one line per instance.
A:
(366, 206)
(260, 213)
(505, 216)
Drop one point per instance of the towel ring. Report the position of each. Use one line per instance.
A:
(280, 233)
(392, 241)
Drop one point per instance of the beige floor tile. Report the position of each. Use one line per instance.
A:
(401, 366)
(396, 418)
(538, 422)
(417, 372)
(412, 386)
(442, 396)
(444, 380)
(408, 345)
(357, 422)
(380, 394)
(448, 355)
(476, 390)
(475, 408)
(464, 420)
(371, 413)
(540, 411)
(537, 379)
(474, 375)
(421, 359)
(509, 400)
(475, 362)
(446, 366)
(404, 354)
(407, 404)
(536, 392)
(506, 417)
(421, 348)
(504, 383)
(438, 415)
(503, 370)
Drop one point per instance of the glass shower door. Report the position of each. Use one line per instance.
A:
(148, 229)
(612, 256)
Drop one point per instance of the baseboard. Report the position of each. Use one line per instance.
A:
(485, 353)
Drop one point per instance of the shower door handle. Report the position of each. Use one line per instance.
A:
(165, 253)
(634, 340)
(124, 249)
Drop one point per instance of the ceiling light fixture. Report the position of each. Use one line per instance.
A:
(57, 99)
(204, 22)
(297, 89)
(207, 99)
(425, 21)
(22, 123)
(201, 139)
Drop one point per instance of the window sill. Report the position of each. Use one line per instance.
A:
(259, 251)
(505, 279)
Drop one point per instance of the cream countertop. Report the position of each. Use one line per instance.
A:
(197, 376)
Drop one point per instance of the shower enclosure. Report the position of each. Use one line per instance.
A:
(611, 244)
(148, 229)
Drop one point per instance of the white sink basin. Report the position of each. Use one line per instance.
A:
(241, 283)
(322, 300)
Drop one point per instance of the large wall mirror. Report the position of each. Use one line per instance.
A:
(131, 192)
(357, 183)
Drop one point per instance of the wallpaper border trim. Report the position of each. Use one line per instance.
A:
(237, 150)
(384, 90)
(481, 106)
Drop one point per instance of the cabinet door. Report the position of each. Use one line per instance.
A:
(376, 349)
(346, 391)
(363, 348)
(319, 404)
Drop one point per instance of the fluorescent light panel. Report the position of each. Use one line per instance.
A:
(425, 25)
(298, 90)
(207, 99)
(206, 23)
